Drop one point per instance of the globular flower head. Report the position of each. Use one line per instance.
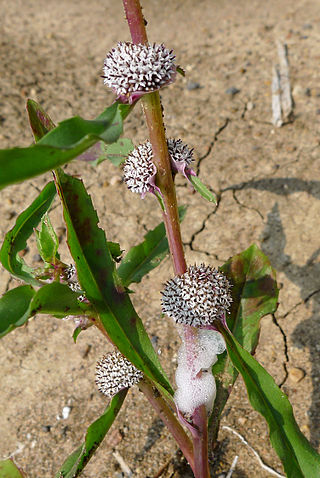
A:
(114, 373)
(133, 70)
(139, 170)
(181, 157)
(198, 297)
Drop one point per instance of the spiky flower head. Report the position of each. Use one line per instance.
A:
(139, 170)
(134, 70)
(181, 157)
(198, 297)
(114, 373)
(71, 277)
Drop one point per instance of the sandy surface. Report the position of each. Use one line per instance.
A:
(266, 178)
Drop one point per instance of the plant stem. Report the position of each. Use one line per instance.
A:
(153, 112)
(169, 419)
(200, 443)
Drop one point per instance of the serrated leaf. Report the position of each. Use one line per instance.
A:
(299, 459)
(15, 308)
(144, 257)
(16, 239)
(47, 240)
(96, 432)
(202, 189)
(255, 294)
(60, 145)
(98, 278)
(8, 469)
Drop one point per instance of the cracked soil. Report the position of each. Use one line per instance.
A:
(265, 180)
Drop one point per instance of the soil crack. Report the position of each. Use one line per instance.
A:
(245, 206)
(215, 138)
(285, 350)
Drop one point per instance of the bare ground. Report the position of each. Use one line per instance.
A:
(266, 177)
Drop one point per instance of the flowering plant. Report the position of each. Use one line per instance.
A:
(217, 311)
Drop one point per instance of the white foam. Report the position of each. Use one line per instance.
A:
(195, 382)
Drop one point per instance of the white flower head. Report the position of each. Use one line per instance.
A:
(132, 70)
(139, 170)
(198, 297)
(114, 373)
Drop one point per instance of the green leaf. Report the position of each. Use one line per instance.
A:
(299, 459)
(47, 240)
(15, 308)
(254, 294)
(76, 333)
(115, 250)
(116, 152)
(202, 189)
(16, 239)
(56, 299)
(8, 469)
(98, 278)
(39, 120)
(60, 145)
(147, 255)
(96, 432)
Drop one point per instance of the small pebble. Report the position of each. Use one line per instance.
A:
(242, 420)
(296, 374)
(232, 91)
(297, 91)
(66, 412)
(115, 180)
(46, 428)
(250, 106)
(193, 85)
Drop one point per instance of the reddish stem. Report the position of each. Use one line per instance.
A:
(200, 443)
(153, 113)
(169, 420)
(135, 21)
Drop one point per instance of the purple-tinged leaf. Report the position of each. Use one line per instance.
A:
(98, 278)
(255, 294)
(40, 121)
